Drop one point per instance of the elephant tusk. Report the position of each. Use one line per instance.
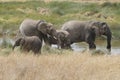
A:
(54, 37)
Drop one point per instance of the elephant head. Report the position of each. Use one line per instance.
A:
(45, 27)
(18, 42)
(102, 28)
(63, 39)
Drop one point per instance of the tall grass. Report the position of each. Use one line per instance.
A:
(59, 67)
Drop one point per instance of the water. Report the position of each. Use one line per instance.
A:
(100, 45)
(79, 47)
(6, 42)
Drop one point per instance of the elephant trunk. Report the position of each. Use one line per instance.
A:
(109, 36)
(13, 47)
(54, 33)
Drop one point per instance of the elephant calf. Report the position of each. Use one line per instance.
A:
(63, 40)
(59, 37)
(32, 43)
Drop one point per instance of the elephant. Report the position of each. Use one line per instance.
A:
(63, 40)
(30, 27)
(32, 43)
(59, 37)
(87, 31)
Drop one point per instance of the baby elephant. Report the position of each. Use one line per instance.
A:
(63, 40)
(32, 43)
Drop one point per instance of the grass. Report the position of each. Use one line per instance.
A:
(59, 67)
(57, 12)
(54, 64)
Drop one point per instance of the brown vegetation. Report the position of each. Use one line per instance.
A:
(75, 66)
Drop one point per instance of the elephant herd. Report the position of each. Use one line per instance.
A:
(35, 31)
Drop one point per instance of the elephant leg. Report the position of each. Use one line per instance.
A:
(109, 42)
(13, 47)
(46, 40)
(92, 46)
(91, 43)
(62, 45)
(65, 46)
(68, 47)
(90, 39)
(59, 44)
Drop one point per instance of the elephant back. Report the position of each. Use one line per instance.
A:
(29, 28)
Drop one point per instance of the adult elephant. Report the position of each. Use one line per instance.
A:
(87, 31)
(30, 27)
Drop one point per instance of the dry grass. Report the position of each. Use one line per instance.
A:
(59, 67)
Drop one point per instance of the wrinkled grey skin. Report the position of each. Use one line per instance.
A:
(87, 31)
(32, 43)
(59, 37)
(30, 27)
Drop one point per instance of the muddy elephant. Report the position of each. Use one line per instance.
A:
(87, 31)
(32, 43)
(30, 27)
(59, 37)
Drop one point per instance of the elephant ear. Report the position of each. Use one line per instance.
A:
(104, 28)
(94, 28)
(104, 25)
(42, 27)
(45, 27)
